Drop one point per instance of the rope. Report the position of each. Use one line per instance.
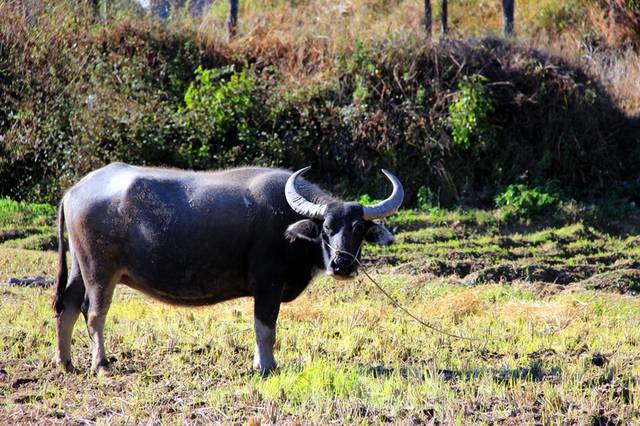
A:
(393, 301)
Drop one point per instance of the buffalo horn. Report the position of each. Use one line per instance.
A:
(388, 206)
(298, 203)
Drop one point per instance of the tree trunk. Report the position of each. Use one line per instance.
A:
(100, 9)
(444, 19)
(160, 8)
(105, 10)
(95, 9)
(508, 7)
(232, 22)
(427, 18)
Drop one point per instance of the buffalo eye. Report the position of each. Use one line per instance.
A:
(358, 227)
(327, 229)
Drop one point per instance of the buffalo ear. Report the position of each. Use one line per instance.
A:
(304, 229)
(378, 234)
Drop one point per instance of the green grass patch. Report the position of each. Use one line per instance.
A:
(23, 213)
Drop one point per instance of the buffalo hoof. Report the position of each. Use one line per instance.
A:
(264, 371)
(102, 369)
(65, 366)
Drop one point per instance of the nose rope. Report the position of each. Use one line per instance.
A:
(393, 301)
(339, 252)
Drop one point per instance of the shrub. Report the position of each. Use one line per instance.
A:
(428, 201)
(223, 110)
(470, 114)
(618, 21)
(22, 213)
(366, 200)
(521, 201)
(558, 16)
(218, 102)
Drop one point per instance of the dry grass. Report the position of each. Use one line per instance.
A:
(307, 38)
(19, 263)
(620, 70)
(456, 306)
(192, 366)
(559, 313)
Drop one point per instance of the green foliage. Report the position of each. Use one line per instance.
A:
(23, 213)
(559, 15)
(220, 99)
(361, 92)
(470, 114)
(520, 201)
(366, 200)
(428, 202)
(361, 67)
(425, 198)
(223, 109)
(217, 104)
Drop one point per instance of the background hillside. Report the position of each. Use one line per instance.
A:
(345, 87)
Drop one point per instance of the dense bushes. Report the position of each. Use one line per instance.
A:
(471, 113)
(460, 119)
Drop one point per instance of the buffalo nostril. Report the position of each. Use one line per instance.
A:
(342, 264)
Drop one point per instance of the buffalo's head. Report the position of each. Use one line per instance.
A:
(340, 228)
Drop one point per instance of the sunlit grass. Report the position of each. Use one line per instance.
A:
(344, 355)
(19, 262)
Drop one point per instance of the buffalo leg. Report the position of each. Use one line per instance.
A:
(72, 300)
(100, 296)
(266, 308)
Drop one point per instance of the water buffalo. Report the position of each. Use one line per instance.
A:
(198, 238)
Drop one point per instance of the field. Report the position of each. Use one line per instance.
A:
(519, 245)
(547, 305)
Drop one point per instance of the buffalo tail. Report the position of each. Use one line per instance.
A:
(61, 284)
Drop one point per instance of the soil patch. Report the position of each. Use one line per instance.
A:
(509, 243)
(16, 234)
(438, 268)
(38, 281)
(623, 281)
(544, 273)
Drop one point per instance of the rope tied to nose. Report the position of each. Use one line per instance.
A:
(393, 301)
